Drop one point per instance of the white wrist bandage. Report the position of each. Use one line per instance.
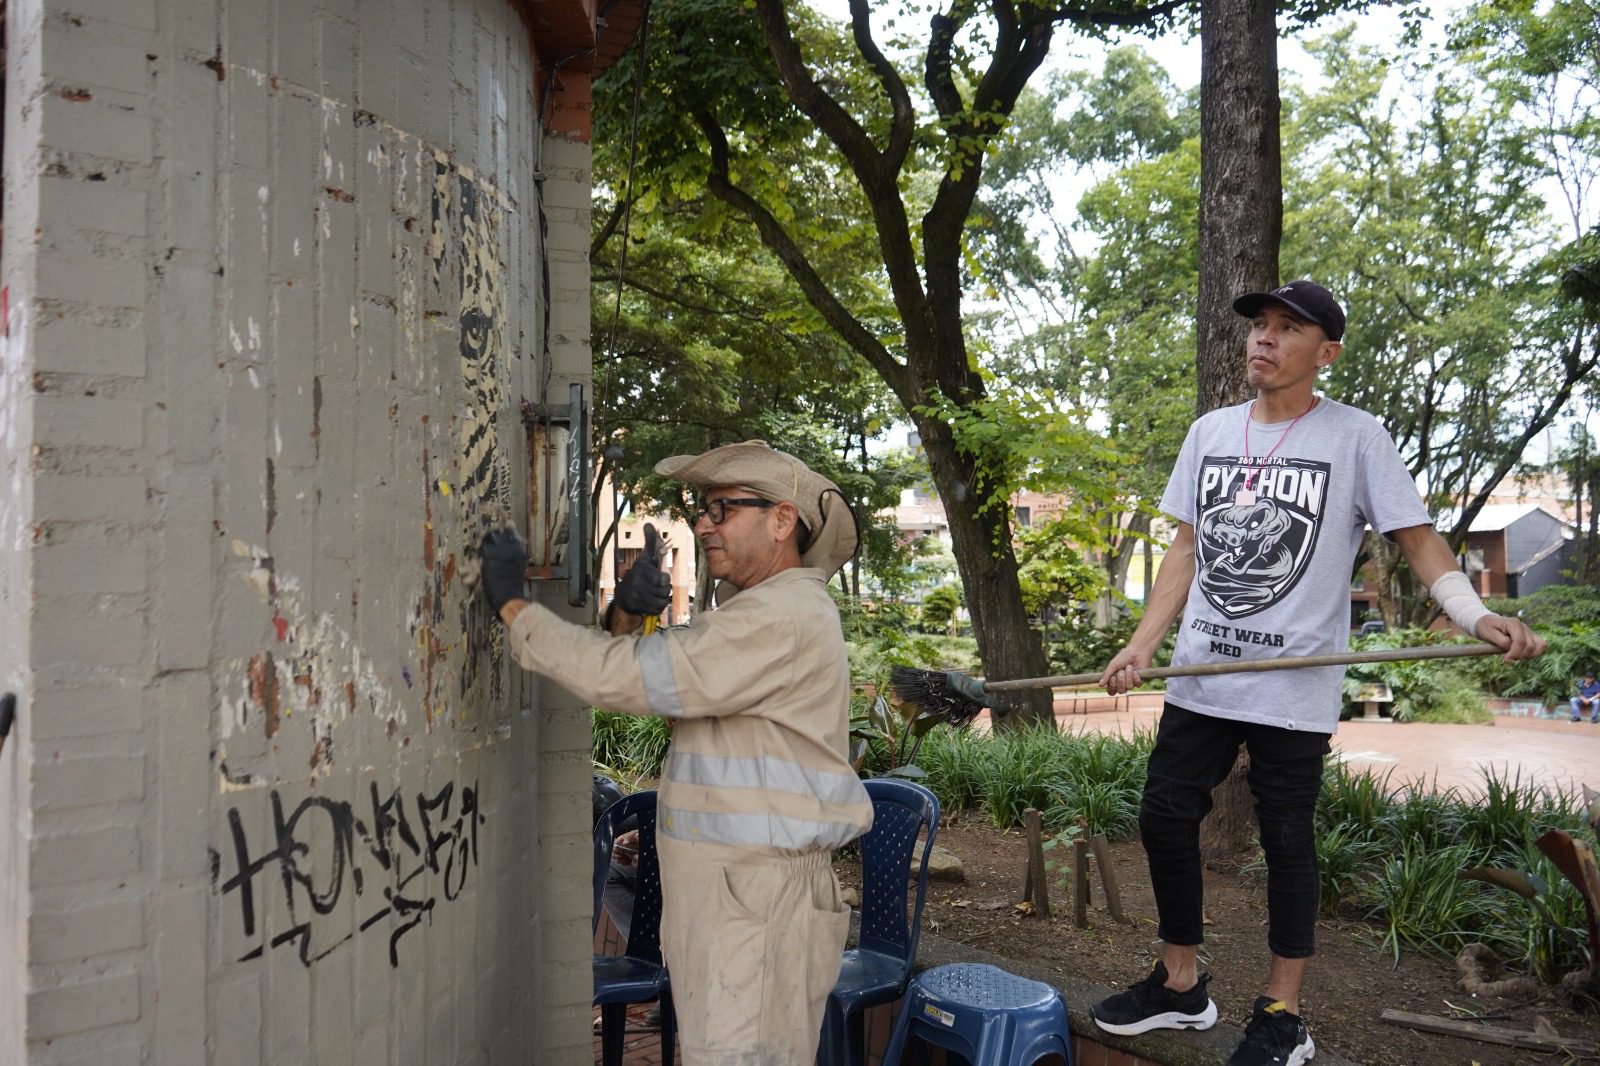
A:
(1455, 596)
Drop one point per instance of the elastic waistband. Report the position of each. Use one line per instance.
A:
(811, 860)
(797, 862)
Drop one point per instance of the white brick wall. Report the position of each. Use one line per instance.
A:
(272, 797)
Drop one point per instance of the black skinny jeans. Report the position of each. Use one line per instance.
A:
(1192, 755)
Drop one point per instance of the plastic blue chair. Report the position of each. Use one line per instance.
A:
(637, 975)
(989, 1016)
(879, 967)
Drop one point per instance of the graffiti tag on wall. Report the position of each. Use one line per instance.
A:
(387, 857)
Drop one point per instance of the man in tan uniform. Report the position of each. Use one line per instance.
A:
(757, 790)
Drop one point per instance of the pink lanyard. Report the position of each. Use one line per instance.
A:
(1249, 478)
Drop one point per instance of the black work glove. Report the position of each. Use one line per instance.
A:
(644, 589)
(505, 567)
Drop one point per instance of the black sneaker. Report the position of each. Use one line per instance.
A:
(1274, 1037)
(1150, 1004)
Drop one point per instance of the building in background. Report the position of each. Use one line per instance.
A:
(678, 558)
(1513, 549)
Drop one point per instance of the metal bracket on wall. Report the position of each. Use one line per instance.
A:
(558, 493)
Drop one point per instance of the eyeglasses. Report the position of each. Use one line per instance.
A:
(717, 510)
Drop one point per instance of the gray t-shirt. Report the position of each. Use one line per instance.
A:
(1272, 565)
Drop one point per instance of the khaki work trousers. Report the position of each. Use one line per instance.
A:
(753, 944)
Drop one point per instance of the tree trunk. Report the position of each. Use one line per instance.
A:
(1229, 831)
(981, 542)
(1120, 560)
(1241, 186)
(1241, 221)
(1591, 569)
(1384, 559)
(1149, 569)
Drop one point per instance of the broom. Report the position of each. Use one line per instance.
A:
(931, 692)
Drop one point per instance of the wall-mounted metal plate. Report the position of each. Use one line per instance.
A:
(558, 493)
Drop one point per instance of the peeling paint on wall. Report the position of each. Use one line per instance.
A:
(310, 667)
(14, 392)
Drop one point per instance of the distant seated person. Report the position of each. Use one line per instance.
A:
(622, 881)
(1588, 696)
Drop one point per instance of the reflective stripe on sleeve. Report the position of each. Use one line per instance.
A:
(756, 830)
(660, 687)
(764, 772)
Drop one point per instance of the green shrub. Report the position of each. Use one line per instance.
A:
(873, 655)
(1063, 775)
(1551, 678)
(1419, 902)
(1017, 771)
(1401, 854)
(1554, 605)
(939, 608)
(1345, 856)
(1424, 690)
(633, 746)
(1099, 777)
(1105, 806)
(1076, 645)
(1429, 818)
(1360, 801)
(1502, 824)
(954, 760)
(1568, 617)
(1548, 950)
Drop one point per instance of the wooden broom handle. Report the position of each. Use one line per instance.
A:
(1298, 662)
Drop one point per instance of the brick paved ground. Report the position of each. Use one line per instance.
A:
(1554, 751)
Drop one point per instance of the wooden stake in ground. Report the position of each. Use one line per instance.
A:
(1080, 883)
(1033, 885)
(1108, 878)
(1491, 1034)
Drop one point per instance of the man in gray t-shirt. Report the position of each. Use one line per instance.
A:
(1272, 499)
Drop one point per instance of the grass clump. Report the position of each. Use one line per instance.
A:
(1396, 856)
(629, 746)
(1099, 779)
(1417, 901)
(954, 761)
(1016, 775)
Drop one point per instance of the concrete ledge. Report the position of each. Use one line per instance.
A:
(1168, 1047)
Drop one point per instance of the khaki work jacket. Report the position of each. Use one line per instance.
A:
(759, 692)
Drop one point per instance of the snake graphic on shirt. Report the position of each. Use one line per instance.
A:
(1251, 552)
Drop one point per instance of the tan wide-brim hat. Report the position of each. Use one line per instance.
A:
(779, 477)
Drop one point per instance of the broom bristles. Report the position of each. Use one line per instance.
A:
(926, 690)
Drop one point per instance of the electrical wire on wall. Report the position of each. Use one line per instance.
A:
(627, 192)
(614, 453)
(563, 543)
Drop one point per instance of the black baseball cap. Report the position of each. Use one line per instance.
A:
(1305, 298)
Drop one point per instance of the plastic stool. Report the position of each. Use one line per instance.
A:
(991, 1017)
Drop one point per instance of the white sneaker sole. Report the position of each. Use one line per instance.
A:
(1171, 1020)
(1304, 1054)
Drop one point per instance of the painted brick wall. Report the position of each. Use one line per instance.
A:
(274, 291)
